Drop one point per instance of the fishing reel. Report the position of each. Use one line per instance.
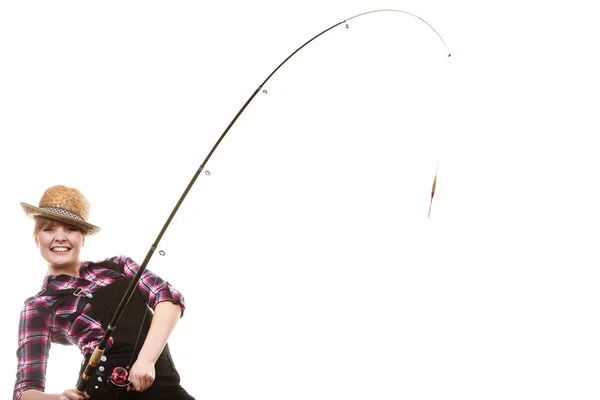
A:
(103, 386)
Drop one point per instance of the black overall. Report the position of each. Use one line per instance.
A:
(104, 302)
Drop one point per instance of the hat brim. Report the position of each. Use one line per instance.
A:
(33, 211)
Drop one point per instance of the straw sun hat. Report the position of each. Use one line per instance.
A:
(63, 204)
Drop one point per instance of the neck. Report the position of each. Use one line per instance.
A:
(71, 270)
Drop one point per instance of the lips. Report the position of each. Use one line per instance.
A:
(60, 249)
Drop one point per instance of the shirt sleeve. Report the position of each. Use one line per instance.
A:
(152, 287)
(32, 351)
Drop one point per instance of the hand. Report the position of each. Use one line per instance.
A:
(71, 394)
(142, 375)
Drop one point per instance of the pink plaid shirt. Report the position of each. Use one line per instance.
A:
(38, 327)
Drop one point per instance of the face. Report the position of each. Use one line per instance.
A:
(60, 245)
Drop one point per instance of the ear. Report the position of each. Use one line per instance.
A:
(37, 242)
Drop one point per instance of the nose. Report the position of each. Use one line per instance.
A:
(60, 235)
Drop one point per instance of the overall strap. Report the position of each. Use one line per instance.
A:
(63, 292)
(62, 296)
(108, 264)
(78, 291)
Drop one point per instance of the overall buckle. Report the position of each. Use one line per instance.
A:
(79, 292)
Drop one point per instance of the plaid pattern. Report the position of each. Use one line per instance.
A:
(71, 321)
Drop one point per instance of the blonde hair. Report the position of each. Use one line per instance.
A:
(43, 223)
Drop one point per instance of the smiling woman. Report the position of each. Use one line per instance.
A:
(60, 245)
(76, 304)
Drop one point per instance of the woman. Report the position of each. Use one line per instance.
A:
(77, 302)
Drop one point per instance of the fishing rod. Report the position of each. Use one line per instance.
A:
(98, 354)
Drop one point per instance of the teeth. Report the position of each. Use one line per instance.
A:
(60, 249)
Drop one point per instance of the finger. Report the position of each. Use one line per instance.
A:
(150, 380)
(143, 384)
(134, 384)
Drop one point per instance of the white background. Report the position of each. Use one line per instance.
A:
(308, 263)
